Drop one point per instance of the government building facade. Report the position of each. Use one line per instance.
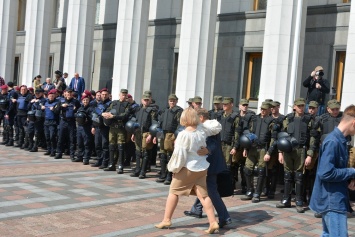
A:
(255, 49)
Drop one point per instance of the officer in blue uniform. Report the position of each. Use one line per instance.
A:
(10, 113)
(23, 104)
(67, 124)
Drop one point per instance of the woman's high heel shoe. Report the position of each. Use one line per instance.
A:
(214, 228)
(163, 225)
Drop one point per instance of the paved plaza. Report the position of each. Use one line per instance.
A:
(41, 196)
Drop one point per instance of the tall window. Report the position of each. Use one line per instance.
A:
(252, 75)
(50, 66)
(97, 12)
(260, 5)
(339, 73)
(173, 84)
(16, 71)
(21, 15)
(346, 1)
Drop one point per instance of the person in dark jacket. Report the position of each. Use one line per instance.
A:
(217, 165)
(318, 87)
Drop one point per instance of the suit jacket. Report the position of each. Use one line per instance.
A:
(215, 158)
(50, 86)
(80, 87)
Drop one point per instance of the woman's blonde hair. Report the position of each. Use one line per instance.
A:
(189, 117)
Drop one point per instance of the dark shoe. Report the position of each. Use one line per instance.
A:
(317, 215)
(283, 205)
(299, 209)
(96, 164)
(10, 143)
(255, 199)
(53, 155)
(58, 156)
(72, 158)
(193, 214)
(246, 198)
(85, 162)
(47, 153)
(103, 166)
(167, 182)
(18, 145)
(160, 180)
(120, 171)
(110, 168)
(78, 159)
(34, 149)
(141, 176)
(224, 223)
(134, 175)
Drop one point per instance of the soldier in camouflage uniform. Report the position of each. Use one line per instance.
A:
(217, 110)
(300, 126)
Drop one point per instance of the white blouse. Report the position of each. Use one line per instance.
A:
(188, 143)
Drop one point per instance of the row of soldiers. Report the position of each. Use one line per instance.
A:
(254, 144)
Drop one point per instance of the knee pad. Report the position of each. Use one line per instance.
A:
(299, 177)
(247, 171)
(288, 176)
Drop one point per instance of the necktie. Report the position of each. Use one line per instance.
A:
(75, 84)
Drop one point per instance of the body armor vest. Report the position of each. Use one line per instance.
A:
(49, 114)
(101, 107)
(22, 103)
(144, 118)
(68, 112)
(328, 123)
(228, 127)
(170, 122)
(298, 128)
(215, 115)
(261, 129)
(245, 120)
(120, 107)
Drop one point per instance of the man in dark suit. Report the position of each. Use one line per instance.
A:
(217, 165)
(77, 84)
(48, 85)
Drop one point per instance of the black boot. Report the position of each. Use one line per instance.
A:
(259, 185)
(138, 164)
(20, 140)
(10, 131)
(249, 178)
(169, 175)
(163, 164)
(272, 181)
(35, 145)
(113, 161)
(286, 200)
(120, 158)
(299, 192)
(243, 182)
(144, 165)
(5, 136)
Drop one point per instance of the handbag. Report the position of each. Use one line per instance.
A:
(176, 163)
(225, 184)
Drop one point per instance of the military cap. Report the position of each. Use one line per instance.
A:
(227, 100)
(68, 89)
(313, 104)
(30, 88)
(217, 99)
(264, 105)
(190, 100)
(39, 90)
(275, 103)
(300, 101)
(145, 96)
(124, 91)
(268, 100)
(333, 104)
(197, 99)
(318, 68)
(103, 89)
(53, 91)
(129, 96)
(148, 92)
(244, 102)
(172, 97)
(4, 87)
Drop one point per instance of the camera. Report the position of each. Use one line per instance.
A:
(320, 73)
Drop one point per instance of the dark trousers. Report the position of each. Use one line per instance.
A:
(101, 143)
(84, 141)
(216, 199)
(66, 127)
(50, 131)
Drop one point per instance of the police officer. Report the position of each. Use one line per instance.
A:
(257, 152)
(230, 121)
(117, 134)
(169, 119)
(275, 169)
(299, 126)
(101, 131)
(23, 104)
(145, 116)
(10, 113)
(51, 121)
(84, 135)
(67, 124)
(36, 128)
(217, 110)
(4, 103)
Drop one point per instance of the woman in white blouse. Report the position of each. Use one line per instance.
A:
(191, 178)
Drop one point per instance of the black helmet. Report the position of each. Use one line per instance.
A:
(286, 144)
(4, 103)
(247, 140)
(81, 117)
(31, 115)
(155, 130)
(131, 126)
(97, 120)
(108, 122)
(282, 134)
(178, 130)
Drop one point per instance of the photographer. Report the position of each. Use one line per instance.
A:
(317, 88)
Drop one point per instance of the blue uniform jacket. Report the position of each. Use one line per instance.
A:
(330, 191)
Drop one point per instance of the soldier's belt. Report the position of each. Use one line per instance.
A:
(226, 143)
(116, 126)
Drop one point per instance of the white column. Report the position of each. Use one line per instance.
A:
(79, 39)
(62, 13)
(348, 91)
(108, 11)
(8, 28)
(38, 28)
(198, 25)
(130, 49)
(282, 52)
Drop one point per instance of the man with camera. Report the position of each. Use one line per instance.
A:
(318, 87)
